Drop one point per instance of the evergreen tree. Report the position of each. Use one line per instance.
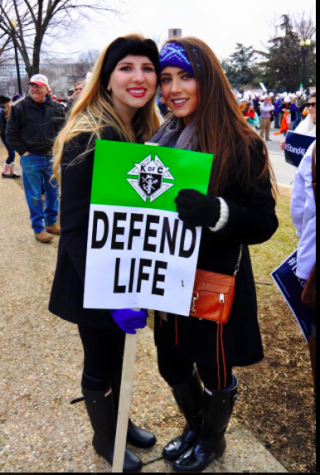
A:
(241, 68)
(283, 63)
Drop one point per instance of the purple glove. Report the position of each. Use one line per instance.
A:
(129, 321)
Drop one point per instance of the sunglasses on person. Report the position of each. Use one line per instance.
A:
(311, 104)
(78, 89)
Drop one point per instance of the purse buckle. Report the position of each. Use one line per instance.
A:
(193, 310)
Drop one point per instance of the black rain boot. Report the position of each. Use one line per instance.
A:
(211, 443)
(100, 408)
(189, 398)
(140, 438)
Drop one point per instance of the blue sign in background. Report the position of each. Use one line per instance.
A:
(291, 288)
(296, 147)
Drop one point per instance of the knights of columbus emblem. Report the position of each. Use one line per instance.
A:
(150, 182)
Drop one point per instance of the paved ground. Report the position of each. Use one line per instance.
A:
(284, 172)
(41, 364)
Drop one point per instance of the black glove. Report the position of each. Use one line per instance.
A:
(196, 209)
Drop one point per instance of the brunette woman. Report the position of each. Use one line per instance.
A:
(309, 125)
(238, 211)
(9, 165)
(117, 104)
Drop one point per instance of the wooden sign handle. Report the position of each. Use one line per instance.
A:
(125, 402)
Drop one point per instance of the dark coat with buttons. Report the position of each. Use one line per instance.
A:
(252, 221)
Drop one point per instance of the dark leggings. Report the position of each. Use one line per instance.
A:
(103, 356)
(177, 371)
(11, 152)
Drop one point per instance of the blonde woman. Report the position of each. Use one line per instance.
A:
(117, 104)
(9, 165)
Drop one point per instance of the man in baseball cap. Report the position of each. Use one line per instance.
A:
(39, 80)
(33, 126)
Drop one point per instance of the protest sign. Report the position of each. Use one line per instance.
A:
(297, 146)
(140, 255)
(263, 87)
(291, 288)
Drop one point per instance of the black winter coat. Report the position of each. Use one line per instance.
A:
(68, 286)
(252, 221)
(32, 128)
(3, 122)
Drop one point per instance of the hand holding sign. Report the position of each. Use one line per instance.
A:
(130, 320)
(296, 146)
(196, 209)
(139, 253)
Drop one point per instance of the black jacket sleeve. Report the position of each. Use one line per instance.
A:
(13, 130)
(76, 175)
(2, 122)
(254, 223)
(75, 200)
(252, 218)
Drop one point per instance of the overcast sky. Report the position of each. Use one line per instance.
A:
(221, 23)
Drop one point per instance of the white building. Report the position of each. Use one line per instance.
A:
(8, 72)
(61, 75)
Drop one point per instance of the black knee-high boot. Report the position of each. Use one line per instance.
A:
(211, 443)
(189, 398)
(100, 408)
(137, 437)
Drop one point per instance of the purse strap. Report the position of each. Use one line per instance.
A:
(237, 269)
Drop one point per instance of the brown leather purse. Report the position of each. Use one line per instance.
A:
(213, 295)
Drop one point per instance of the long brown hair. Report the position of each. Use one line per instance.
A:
(93, 112)
(220, 126)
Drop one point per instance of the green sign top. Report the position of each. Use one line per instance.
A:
(145, 176)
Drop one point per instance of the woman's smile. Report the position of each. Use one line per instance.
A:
(179, 102)
(138, 92)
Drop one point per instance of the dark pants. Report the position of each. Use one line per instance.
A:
(37, 176)
(11, 152)
(103, 356)
(277, 123)
(177, 371)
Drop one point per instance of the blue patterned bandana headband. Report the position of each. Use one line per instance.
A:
(175, 55)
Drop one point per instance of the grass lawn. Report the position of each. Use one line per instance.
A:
(276, 400)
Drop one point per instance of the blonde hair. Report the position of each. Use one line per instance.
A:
(93, 112)
(7, 108)
(79, 83)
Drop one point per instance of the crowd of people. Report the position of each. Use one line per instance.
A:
(285, 110)
(118, 104)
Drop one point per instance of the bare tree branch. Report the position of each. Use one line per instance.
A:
(39, 22)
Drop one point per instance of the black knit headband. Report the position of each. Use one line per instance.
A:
(123, 47)
(4, 100)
